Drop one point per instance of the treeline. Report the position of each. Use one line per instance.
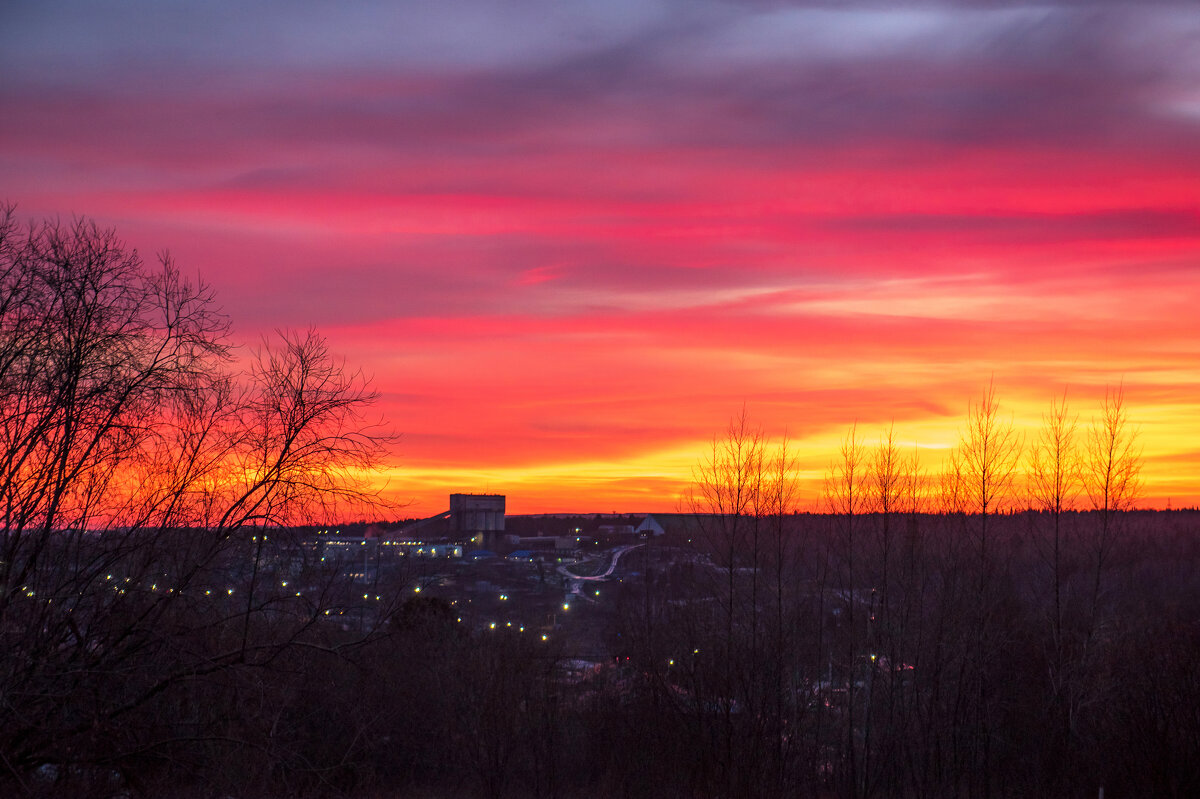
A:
(885, 656)
(913, 641)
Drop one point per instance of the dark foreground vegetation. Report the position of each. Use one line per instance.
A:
(166, 631)
(932, 673)
(913, 684)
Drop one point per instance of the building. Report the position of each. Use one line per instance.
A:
(477, 517)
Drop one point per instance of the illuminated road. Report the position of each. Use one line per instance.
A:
(577, 580)
(616, 556)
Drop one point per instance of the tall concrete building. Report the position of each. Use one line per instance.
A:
(477, 517)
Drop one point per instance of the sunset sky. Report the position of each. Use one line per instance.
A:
(571, 240)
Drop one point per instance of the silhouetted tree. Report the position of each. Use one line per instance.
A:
(142, 481)
(1053, 484)
(725, 495)
(989, 453)
(1111, 470)
(847, 498)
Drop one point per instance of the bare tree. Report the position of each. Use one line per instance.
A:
(893, 487)
(1053, 485)
(989, 452)
(950, 487)
(727, 495)
(1112, 462)
(1111, 473)
(780, 495)
(847, 498)
(984, 470)
(888, 474)
(141, 482)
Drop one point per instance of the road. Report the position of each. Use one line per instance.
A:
(577, 580)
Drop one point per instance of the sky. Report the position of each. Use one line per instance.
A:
(569, 241)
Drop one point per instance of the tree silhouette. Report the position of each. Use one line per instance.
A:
(141, 480)
(1111, 469)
